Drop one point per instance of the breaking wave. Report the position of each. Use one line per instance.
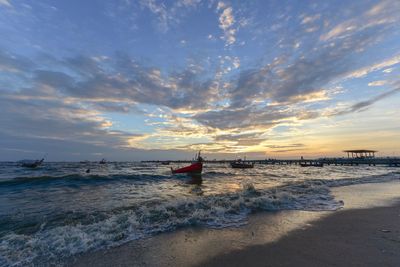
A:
(81, 232)
(78, 178)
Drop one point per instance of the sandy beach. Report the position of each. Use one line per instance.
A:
(366, 232)
(365, 237)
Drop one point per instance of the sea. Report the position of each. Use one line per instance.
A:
(58, 210)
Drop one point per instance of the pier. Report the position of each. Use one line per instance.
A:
(354, 158)
(391, 162)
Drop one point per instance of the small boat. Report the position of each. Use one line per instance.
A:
(239, 164)
(195, 167)
(31, 163)
(312, 164)
(103, 161)
(164, 162)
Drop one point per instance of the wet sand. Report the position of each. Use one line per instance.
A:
(365, 233)
(365, 237)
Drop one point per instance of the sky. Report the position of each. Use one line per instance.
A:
(147, 79)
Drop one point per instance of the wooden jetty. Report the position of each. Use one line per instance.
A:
(354, 158)
(392, 162)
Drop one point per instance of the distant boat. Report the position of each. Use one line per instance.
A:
(103, 161)
(31, 163)
(312, 164)
(195, 167)
(165, 162)
(240, 164)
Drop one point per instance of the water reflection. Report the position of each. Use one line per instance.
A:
(195, 178)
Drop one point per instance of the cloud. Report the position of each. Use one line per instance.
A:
(389, 70)
(114, 107)
(14, 63)
(377, 83)
(362, 72)
(5, 3)
(160, 11)
(306, 75)
(226, 18)
(224, 102)
(242, 118)
(286, 148)
(268, 96)
(383, 13)
(246, 139)
(26, 118)
(310, 19)
(236, 62)
(363, 105)
(57, 80)
(127, 81)
(226, 22)
(300, 79)
(168, 14)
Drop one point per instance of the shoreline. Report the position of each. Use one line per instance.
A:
(366, 232)
(361, 237)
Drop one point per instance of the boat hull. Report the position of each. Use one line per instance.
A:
(31, 163)
(241, 165)
(194, 168)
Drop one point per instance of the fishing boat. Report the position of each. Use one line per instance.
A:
(240, 164)
(103, 161)
(195, 167)
(311, 164)
(31, 163)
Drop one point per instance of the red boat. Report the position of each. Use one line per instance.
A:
(195, 167)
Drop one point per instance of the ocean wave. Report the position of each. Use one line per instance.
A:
(215, 211)
(122, 225)
(78, 178)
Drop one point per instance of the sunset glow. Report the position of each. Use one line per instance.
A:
(135, 80)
